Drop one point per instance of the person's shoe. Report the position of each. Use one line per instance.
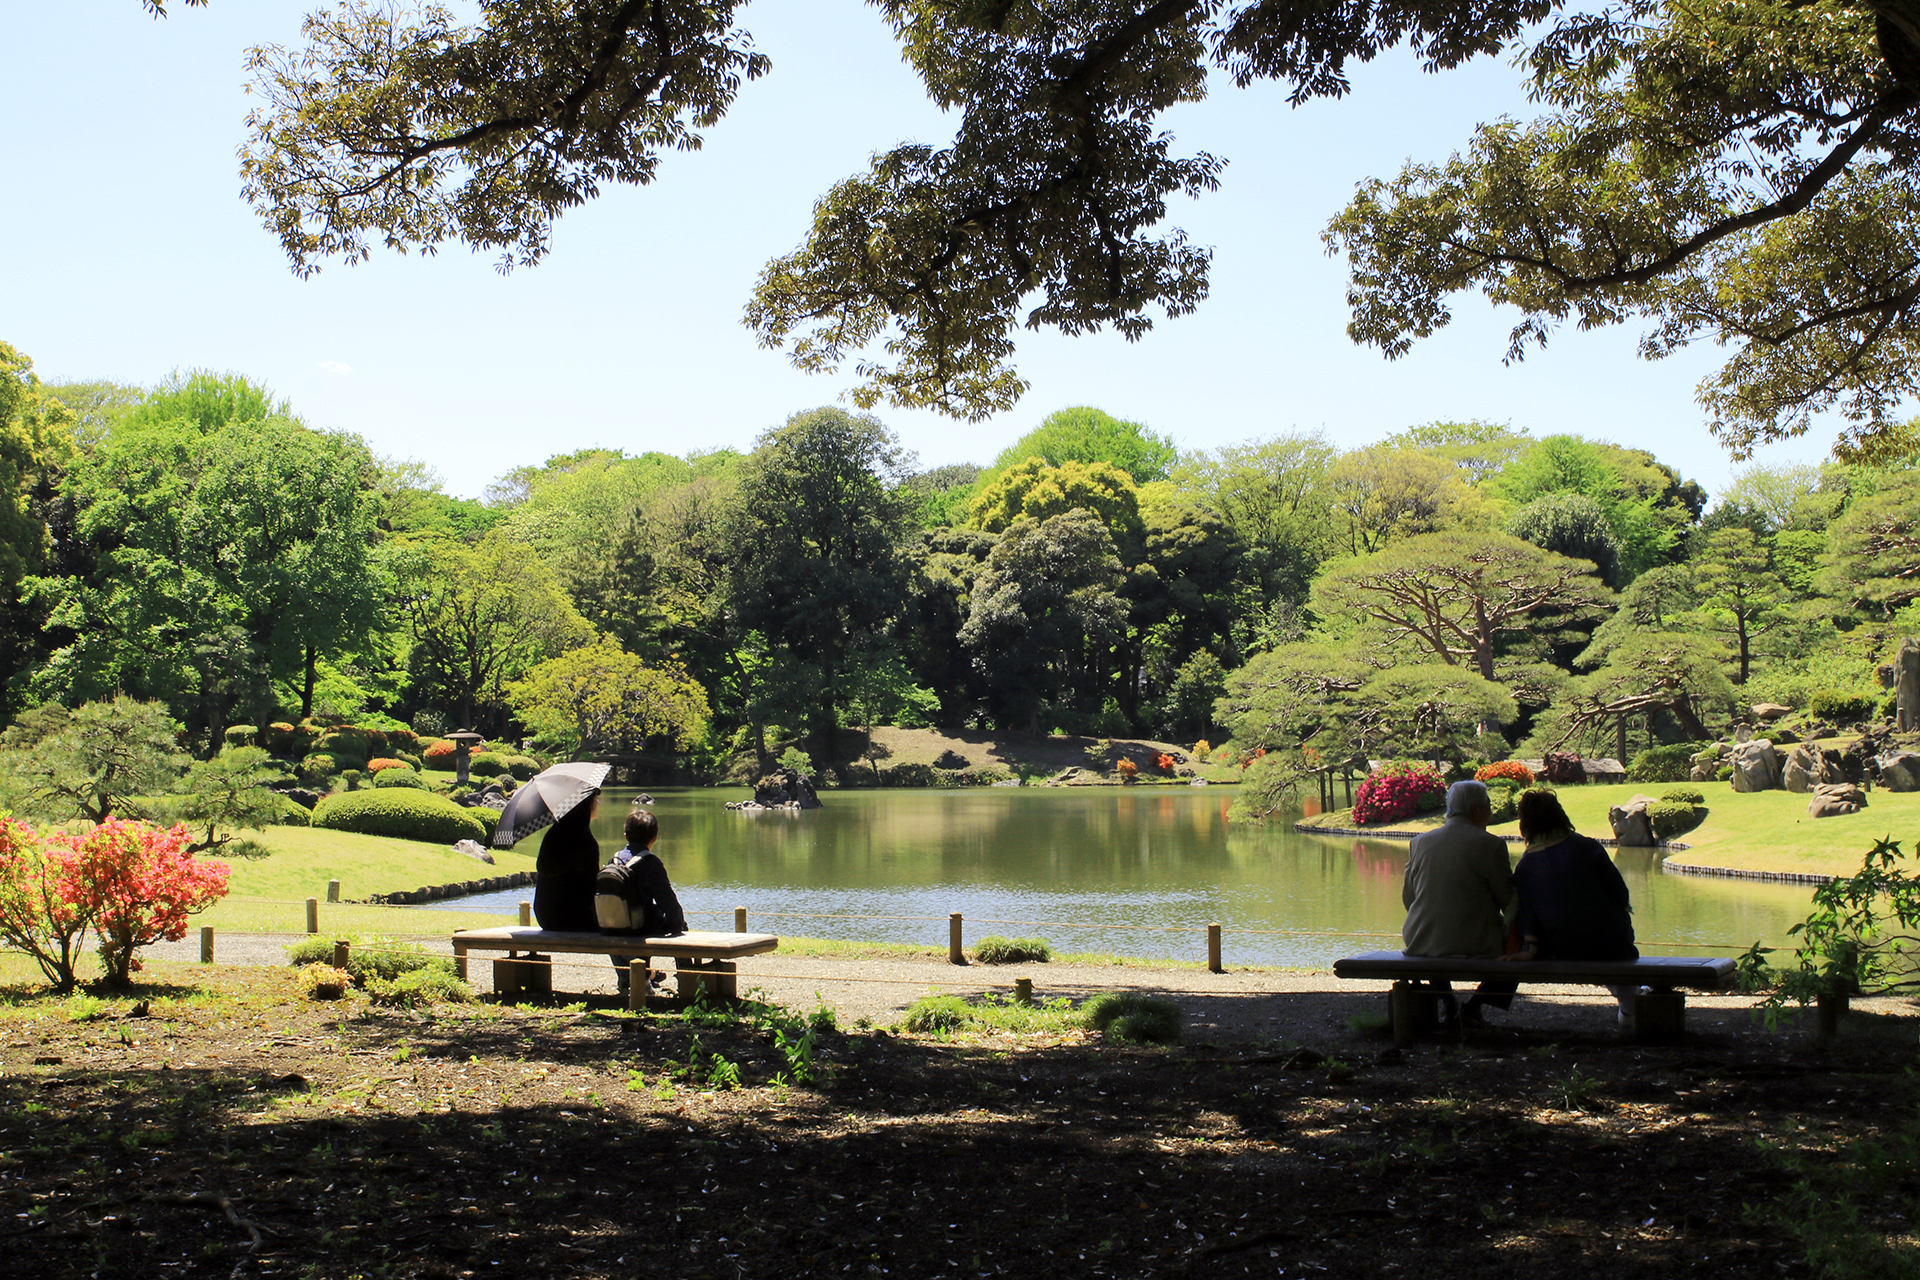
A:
(1470, 1016)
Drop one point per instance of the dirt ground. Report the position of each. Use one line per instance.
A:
(164, 1134)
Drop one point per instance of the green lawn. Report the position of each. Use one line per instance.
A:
(1759, 831)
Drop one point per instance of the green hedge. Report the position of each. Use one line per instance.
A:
(401, 777)
(1672, 762)
(522, 767)
(400, 812)
(293, 814)
(489, 764)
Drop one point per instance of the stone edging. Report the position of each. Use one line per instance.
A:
(1306, 830)
(456, 889)
(1735, 873)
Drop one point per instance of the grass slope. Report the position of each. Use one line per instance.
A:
(1758, 831)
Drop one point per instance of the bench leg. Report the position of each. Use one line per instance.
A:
(718, 979)
(1410, 1010)
(530, 974)
(1660, 1015)
(637, 985)
(460, 961)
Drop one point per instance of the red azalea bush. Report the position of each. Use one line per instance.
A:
(1126, 769)
(1166, 762)
(439, 756)
(131, 883)
(386, 762)
(1395, 791)
(1505, 770)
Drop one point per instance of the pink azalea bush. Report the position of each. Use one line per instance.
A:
(1394, 792)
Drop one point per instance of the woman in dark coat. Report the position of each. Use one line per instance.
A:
(563, 875)
(1573, 901)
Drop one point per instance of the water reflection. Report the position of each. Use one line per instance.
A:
(1100, 859)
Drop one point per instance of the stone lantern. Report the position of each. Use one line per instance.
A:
(464, 741)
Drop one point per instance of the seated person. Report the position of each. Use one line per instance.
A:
(1573, 901)
(637, 897)
(563, 875)
(1459, 885)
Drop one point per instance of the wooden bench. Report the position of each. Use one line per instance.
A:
(1659, 1015)
(703, 962)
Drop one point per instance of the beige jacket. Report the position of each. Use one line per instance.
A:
(1459, 886)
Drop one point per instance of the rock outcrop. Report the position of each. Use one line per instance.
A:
(784, 789)
(1631, 825)
(1906, 685)
(1899, 771)
(1808, 767)
(1706, 765)
(1832, 799)
(1756, 767)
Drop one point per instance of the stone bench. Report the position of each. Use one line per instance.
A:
(1662, 1014)
(703, 961)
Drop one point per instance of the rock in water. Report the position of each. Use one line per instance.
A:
(1755, 766)
(785, 787)
(1832, 799)
(1631, 826)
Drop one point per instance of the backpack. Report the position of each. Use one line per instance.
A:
(612, 900)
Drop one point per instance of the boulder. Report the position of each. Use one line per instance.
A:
(473, 849)
(1900, 771)
(1768, 712)
(491, 796)
(1756, 767)
(1631, 826)
(1808, 767)
(1832, 799)
(1906, 685)
(951, 759)
(1706, 765)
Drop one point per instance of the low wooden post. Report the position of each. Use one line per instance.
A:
(1826, 1011)
(956, 954)
(739, 919)
(313, 915)
(206, 944)
(341, 950)
(460, 960)
(637, 977)
(333, 891)
(526, 913)
(1213, 948)
(1023, 990)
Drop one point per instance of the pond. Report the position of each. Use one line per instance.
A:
(1094, 869)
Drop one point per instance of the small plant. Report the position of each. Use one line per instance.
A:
(1339, 1072)
(1202, 749)
(994, 949)
(431, 984)
(324, 982)
(367, 957)
(1671, 818)
(797, 760)
(1368, 1024)
(936, 1014)
(1166, 763)
(1575, 1092)
(85, 1008)
(1129, 1015)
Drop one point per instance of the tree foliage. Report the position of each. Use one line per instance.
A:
(598, 697)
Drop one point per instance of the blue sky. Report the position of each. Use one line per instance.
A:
(131, 254)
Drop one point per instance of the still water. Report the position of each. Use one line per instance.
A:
(1077, 866)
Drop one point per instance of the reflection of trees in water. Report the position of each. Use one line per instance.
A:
(1379, 865)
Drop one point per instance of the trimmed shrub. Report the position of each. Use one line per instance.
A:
(1841, 707)
(318, 767)
(1395, 791)
(1128, 1015)
(292, 813)
(438, 756)
(1674, 817)
(488, 764)
(352, 778)
(522, 767)
(400, 812)
(411, 759)
(402, 739)
(994, 949)
(1127, 770)
(1670, 762)
(401, 777)
(1503, 797)
(1686, 795)
(240, 735)
(488, 818)
(1509, 770)
(379, 763)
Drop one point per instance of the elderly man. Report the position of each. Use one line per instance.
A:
(1458, 889)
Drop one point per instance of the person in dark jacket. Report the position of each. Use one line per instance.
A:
(563, 875)
(1573, 901)
(647, 885)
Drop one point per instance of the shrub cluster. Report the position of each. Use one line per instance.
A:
(1503, 797)
(1129, 1015)
(403, 813)
(240, 735)
(1505, 771)
(488, 764)
(368, 956)
(926, 775)
(1397, 791)
(994, 949)
(419, 987)
(379, 763)
(1840, 706)
(1670, 762)
(438, 755)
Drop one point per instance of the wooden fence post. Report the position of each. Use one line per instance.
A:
(956, 954)
(333, 891)
(526, 913)
(206, 944)
(1213, 948)
(1023, 990)
(341, 949)
(313, 915)
(739, 919)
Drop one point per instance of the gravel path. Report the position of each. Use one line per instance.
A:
(1238, 1006)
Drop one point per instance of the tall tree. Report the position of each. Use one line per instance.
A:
(1739, 589)
(1083, 434)
(36, 445)
(818, 542)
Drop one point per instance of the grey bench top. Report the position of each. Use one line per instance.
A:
(1700, 974)
(695, 944)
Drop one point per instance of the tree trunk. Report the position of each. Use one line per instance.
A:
(1682, 709)
(306, 690)
(1740, 626)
